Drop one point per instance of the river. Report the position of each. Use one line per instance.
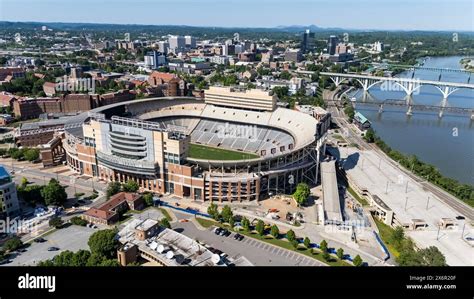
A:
(447, 142)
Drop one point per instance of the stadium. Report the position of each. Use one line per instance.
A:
(232, 146)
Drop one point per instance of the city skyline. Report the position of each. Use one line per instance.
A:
(364, 15)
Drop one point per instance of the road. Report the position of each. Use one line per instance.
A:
(28, 172)
(257, 252)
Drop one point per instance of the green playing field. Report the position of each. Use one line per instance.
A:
(203, 152)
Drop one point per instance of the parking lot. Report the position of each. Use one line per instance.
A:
(257, 252)
(72, 238)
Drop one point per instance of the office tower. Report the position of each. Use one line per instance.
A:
(332, 44)
(307, 41)
(190, 41)
(177, 43)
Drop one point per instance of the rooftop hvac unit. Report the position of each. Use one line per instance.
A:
(215, 259)
(179, 259)
(160, 248)
(153, 245)
(170, 254)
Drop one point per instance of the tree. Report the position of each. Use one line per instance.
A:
(357, 261)
(397, 237)
(56, 222)
(323, 246)
(109, 263)
(76, 220)
(32, 154)
(307, 242)
(260, 227)
(148, 198)
(95, 259)
(285, 75)
(232, 222)
(274, 231)
(80, 258)
(104, 242)
(165, 223)
(340, 253)
(226, 213)
(290, 235)
(212, 211)
(12, 244)
(2, 255)
(431, 256)
(350, 112)
(302, 193)
(294, 243)
(246, 224)
(31, 193)
(53, 193)
(325, 255)
(369, 135)
(113, 188)
(24, 182)
(130, 186)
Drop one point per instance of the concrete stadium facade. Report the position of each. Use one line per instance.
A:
(148, 141)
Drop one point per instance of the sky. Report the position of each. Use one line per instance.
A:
(451, 15)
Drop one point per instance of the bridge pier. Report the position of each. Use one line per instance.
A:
(444, 103)
(380, 108)
(410, 110)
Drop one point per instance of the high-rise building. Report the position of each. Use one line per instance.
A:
(190, 41)
(163, 47)
(378, 47)
(177, 43)
(239, 49)
(9, 205)
(307, 41)
(332, 44)
(154, 59)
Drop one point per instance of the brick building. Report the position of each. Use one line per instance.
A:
(109, 212)
(169, 84)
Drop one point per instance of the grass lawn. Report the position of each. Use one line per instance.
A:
(360, 199)
(207, 222)
(166, 214)
(316, 254)
(198, 151)
(385, 234)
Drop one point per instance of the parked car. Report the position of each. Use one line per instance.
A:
(222, 232)
(39, 240)
(217, 230)
(238, 237)
(4, 262)
(460, 217)
(53, 248)
(81, 201)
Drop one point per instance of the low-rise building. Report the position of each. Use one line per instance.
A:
(147, 240)
(109, 212)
